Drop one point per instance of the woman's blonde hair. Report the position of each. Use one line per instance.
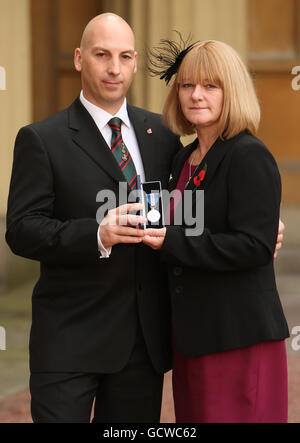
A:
(217, 63)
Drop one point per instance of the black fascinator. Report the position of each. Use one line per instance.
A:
(165, 60)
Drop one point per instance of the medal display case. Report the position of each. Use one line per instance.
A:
(151, 198)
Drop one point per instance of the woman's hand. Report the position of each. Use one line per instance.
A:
(154, 238)
(281, 228)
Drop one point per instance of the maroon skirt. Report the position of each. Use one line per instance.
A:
(247, 385)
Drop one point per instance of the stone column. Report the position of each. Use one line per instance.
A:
(15, 101)
(15, 105)
(153, 20)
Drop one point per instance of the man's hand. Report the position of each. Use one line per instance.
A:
(281, 228)
(121, 227)
(154, 238)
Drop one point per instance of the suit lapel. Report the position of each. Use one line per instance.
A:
(87, 136)
(179, 163)
(212, 159)
(145, 140)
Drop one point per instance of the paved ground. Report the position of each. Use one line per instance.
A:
(15, 317)
(16, 408)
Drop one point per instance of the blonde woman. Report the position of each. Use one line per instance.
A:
(228, 325)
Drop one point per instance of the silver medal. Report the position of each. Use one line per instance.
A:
(153, 216)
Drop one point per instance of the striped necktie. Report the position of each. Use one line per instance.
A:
(121, 153)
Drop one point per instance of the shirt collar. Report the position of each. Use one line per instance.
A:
(102, 117)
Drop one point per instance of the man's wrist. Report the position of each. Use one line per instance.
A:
(104, 252)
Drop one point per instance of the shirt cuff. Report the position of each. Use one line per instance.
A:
(104, 253)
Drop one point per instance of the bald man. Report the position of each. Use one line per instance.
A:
(100, 309)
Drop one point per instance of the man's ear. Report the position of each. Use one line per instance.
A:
(136, 62)
(77, 59)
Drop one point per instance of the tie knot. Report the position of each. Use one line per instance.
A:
(115, 124)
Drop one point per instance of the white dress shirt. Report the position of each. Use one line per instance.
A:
(101, 118)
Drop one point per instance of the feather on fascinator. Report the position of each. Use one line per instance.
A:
(165, 60)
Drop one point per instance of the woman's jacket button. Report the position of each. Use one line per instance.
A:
(177, 271)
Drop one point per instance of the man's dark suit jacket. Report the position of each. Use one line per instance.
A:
(84, 310)
(222, 282)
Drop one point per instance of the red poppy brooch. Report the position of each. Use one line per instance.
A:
(198, 179)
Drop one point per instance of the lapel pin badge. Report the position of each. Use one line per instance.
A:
(171, 177)
(149, 131)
